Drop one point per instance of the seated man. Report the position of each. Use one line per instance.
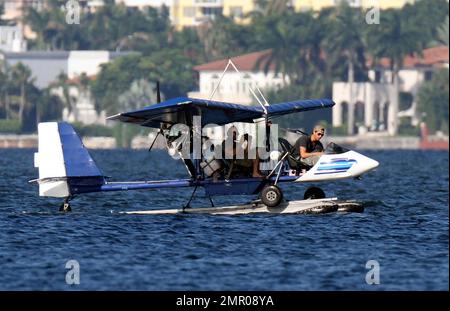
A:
(309, 148)
(238, 166)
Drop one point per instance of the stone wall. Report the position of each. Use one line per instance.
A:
(18, 141)
(31, 141)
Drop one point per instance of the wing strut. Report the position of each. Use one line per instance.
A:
(258, 99)
(154, 140)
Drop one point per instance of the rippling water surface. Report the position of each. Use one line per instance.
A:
(404, 227)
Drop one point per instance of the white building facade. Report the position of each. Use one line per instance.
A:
(84, 111)
(375, 104)
(235, 87)
(11, 39)
(47, 66)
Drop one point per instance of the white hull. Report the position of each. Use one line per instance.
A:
(318, 206)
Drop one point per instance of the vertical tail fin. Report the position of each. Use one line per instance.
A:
(65, 166)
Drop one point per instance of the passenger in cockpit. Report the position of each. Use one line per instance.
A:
(242, 165)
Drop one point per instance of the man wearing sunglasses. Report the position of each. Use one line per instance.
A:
(309, 148)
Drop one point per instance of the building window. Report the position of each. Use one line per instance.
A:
(428, 75)
(236, 11)
(212, 12)
(214, 82)
(189, 11)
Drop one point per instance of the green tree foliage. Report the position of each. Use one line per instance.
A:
(10, 126)
(344, 43)
(223, 38)
(21, 79)
(111, 27)
(95, 130)
(425, 17)
(442, 33)
(50, 106)
(188, 41)
(4, 113)
(114, 79)
(393, 38)
(53, 32)
(140, 93)
(295, 40)
(171, 68)
(433, 101)
(22, 101)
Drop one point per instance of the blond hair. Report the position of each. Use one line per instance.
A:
(319, 127)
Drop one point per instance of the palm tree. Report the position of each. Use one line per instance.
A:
(295, 39)
(102, 22)
(62, 83)
(344, 45)
(264, 8)
(283, 54)
(50, 26)
(222, 37)
(3, 91)
(393, 39)
(38, 22)
(21, 75)
(443, 32)
(3, 84)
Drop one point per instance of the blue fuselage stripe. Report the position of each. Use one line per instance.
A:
(334, 167)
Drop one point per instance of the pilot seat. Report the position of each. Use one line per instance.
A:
(293, 161)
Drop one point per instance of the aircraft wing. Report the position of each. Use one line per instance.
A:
(182, 110)
(298, 106)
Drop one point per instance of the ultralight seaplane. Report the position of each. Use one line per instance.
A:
(66, 169)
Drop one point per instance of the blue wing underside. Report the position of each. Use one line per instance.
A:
(182, 110)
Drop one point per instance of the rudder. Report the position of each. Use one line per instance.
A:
(65, 166)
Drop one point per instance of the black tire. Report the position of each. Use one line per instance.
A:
(314, 193)
(271, 195)
(65, 207)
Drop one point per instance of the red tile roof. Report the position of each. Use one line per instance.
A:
(246, 62)
(431, 57)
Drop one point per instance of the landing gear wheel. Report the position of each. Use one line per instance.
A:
(271, 195)
(65, 207)
(314, 193)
